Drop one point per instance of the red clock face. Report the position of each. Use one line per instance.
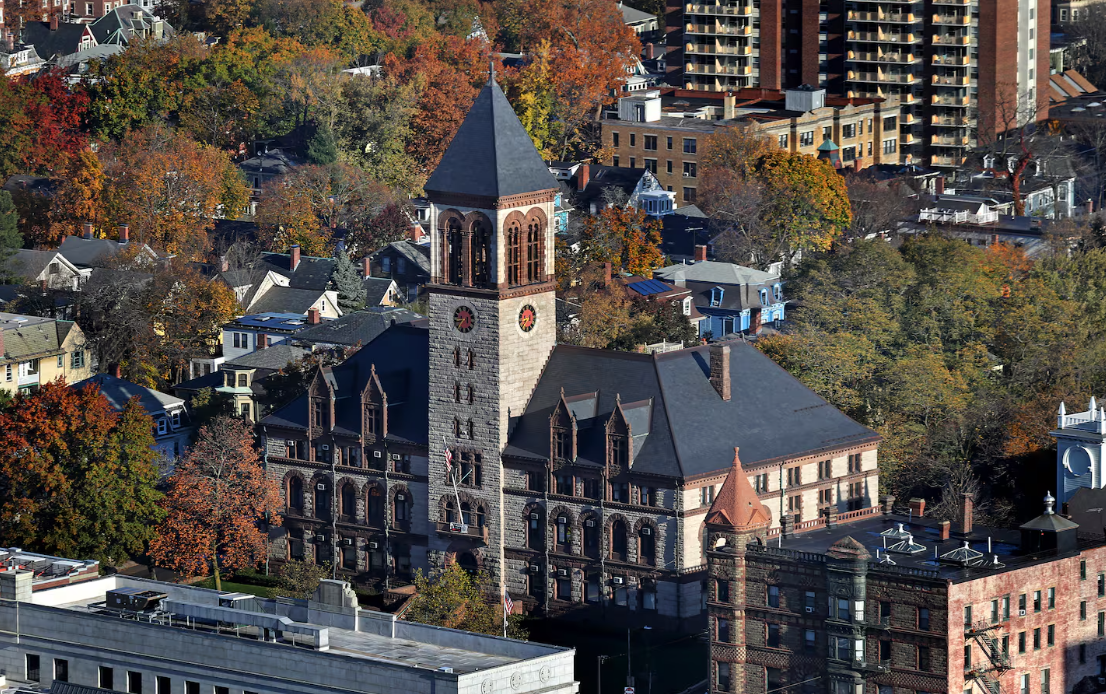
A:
(527, 317)
(464, 319)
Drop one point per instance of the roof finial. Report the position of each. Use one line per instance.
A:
(736, 459)
(1050, 501)
(491, 70)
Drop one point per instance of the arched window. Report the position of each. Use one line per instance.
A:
(591, 538)
(454, 259)
(466, 513)
(481, 251)
(322, 501)
(618, 540)
(450, 512)
(563, 534)
(479, 516)
(375, 510)
(533, 252)
(349, 502)
(647, 546)
(295, 494)
(467, 562)
(401, 511)
(349, 554)
(514, 254)
(535, 533)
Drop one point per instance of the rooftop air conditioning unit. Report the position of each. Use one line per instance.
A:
(374, 545)
(534, 516)
(589, 523)
(647, 530)
(320, 538)
(376, 454)
(562, 572)
(618, 580)
(320, 486)
(348, 541)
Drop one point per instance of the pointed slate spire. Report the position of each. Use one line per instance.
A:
(737, 505)
(1063, 410)
(491, 156)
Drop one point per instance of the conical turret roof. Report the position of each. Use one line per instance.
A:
(736, 504)
(491, 155)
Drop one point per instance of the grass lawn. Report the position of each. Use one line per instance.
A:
(232, 587)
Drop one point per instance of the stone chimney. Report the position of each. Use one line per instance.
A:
(54, 21)
(966, 512)
(16, 584)
(943, 528)
(887, 504)
(720, 369)
(295, 253)
(124, 233)
(918, 507)
(729, 106)
(366, 267)
(787, 525)
(313, 316)
(583, 175)
(262, 340)
(700, 253)
(87, 230)
(831, 516)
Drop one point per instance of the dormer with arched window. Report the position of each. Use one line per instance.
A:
(320, 403)
(562, 432)
(618, 443)
(374, 408)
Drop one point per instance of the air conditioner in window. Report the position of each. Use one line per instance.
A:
(376, 454)
(348, 542)
(290, 443)
(687, 175)
(1021, 613)
(647, 530)
(810, 610)
(374, 545)
(325, 447)
(589, 523)
(618, 580)
(320, 486)
(395, 456)
(534, 568)
(534, 516)
(320, 538)
(561, 520)
(562, 572)
(401, 497)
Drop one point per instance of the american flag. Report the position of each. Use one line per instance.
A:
(508, 603)
(448, 461)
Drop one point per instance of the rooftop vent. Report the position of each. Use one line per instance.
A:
(907, 546)
(896, 533)
(963, 554)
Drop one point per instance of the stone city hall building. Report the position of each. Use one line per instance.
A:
(577, 475)
(886, 603)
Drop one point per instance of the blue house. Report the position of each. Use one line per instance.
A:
(732, 298)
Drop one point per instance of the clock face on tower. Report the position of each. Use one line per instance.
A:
(527, 317)
(464, 319)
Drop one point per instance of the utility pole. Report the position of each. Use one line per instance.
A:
(629, 661)
(598, 671)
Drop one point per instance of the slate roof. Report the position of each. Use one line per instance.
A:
(715, 272)
(119, 26)
(693, 431)
(311, 273)
(401, 355)
(276, 162)
(416, 253)
(357, 327)
(29, 264)
(41, 185)
(603, 177)
(285, 300)
(26, 337)
(682, 232)
(274, 358)
(49, 44)
(88, 253)
(491, 155)
(119, 391)
(737, 505)
(632, 15)
(376, 289)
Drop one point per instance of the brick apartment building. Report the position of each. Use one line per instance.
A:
(876, 602)
(576, 477)
(663, 130)
(960, 68)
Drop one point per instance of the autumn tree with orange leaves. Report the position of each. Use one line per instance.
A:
(624, 236)
(217, 503)
(77, 478)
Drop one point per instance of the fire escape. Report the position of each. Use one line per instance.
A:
(997, 662)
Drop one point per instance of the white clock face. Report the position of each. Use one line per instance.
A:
(1077, 460)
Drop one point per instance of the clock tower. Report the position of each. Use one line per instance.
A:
(492, 321)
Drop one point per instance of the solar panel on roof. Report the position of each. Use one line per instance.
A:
(647, 287)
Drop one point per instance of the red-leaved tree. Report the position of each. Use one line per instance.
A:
(216, 502)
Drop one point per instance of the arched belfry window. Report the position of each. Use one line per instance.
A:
(533, 251)
(514, 253)
(481, 253)
(454, 258)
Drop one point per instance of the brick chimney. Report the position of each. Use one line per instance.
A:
(117, 371)
(366, 267)
(124, 233)
(720, 369)
(918, 507)
(224, 264)
(755, 321)
(700, 253)
(262, 340)
(607, 275)
(54, 22)
(295, 253)
(583, 175)
(966, 512)
(943, 528)
(939, 185)
(87, 228)
(313, 316)
(650, 51)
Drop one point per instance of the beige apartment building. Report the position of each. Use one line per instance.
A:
(35, 350)
(663, 130)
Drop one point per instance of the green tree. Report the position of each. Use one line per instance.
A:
(347, 280)
(457, 599)
(299, 579)
(10, 238)
(321, 146)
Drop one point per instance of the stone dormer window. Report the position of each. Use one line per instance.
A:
(618, 444)
(374, 407)
(562, 433)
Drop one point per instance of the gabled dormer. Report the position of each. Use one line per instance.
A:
(562, 433)
(320, 405)
(374, 409)
(619, 438)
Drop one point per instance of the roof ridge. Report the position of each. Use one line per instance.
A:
(667, 419)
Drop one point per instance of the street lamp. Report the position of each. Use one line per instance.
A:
(599, 672)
